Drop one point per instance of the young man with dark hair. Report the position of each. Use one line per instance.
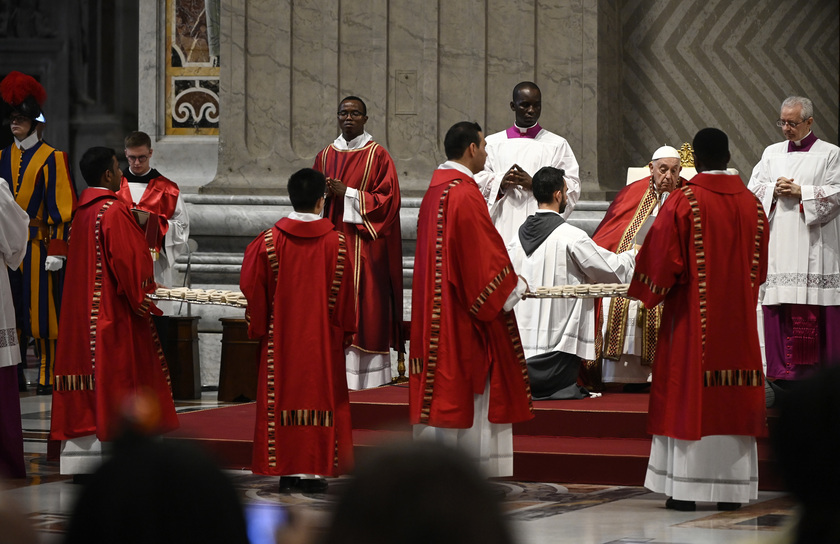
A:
(145, 188)
(515, 154)
(558, 332)
(298, 279)
(705, 256)
(363, 203)
(110, 370)
(459, 138)
(468, 380)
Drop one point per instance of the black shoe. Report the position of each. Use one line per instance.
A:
(21, 379)
(82, 479)
(313, 485)
(682, 506)
(289, 484)
(636, 388)
(43, 390)
(728, 506)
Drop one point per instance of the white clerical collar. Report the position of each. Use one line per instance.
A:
(456, 166)
(356, 143)
(140, 175)
(543, 210)
(524, 130)
(798, 143)
(27, 142)
(305, 217)
(716, 172)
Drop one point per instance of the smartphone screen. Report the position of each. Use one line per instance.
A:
(263, 521)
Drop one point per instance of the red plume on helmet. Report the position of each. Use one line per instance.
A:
(16, 87)
(23, 95)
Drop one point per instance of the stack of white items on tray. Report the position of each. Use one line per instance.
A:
(583, 290)
(205, 296)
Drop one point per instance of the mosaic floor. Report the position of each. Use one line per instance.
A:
(539, 512)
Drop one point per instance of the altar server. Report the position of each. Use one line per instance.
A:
(514, 155)
(557, 333)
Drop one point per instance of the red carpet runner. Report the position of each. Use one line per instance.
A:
(596, 440)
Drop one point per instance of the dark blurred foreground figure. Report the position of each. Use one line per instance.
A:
(431, 493)
(152, 491)
(806, 440)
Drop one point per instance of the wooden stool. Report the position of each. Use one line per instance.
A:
(239, 369)
(179, 339)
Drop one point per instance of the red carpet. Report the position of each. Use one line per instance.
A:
(598, 440)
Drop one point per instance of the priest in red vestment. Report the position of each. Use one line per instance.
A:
(468, 379)
(706, 256)
(297, 277)
(110, 370)
(363, 202)
(629, 339)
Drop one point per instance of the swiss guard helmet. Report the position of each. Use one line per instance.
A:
(23, 95)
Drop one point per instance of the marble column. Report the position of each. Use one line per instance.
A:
(420, 66)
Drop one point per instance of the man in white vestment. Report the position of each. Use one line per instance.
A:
(514, 155)
(14, 234)
(798, 183)
(558, 332)
(145, 188)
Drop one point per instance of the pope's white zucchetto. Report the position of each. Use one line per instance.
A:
(665, 152)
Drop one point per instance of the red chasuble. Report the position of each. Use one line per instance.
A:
(620, 214)
(616, 232)
(108, 352)
(297, 277)
(460, 334)
(160, 198)
(705, 256)
(375, 244)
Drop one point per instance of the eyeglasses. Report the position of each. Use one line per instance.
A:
(137, 158)
(355, 114)
(781, 123)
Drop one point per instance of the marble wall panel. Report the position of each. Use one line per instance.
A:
(268, 57)
(363, 65)
(420, 66)
(314, 78)
(608, 116)
(566, 73)
(413, 47)
(462, 66)
(511, 56)
(689, 65)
